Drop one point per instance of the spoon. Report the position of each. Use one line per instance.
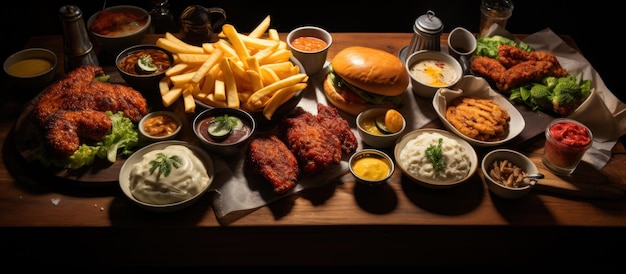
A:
(534, 177)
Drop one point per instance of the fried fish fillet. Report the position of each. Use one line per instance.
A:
(272, 159)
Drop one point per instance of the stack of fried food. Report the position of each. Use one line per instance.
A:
(478, 118)
(250, 72)
(514, 67)
(306, 142)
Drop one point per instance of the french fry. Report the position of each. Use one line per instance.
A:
(256, 43)
(220, 91)
(261, 28)
(210, 100)
(188, 100)
(214, 58)
(181, 80)
(235, 40)
(268, 76)
(193, 58)
(269, 90)
(164, 85)
(177, 69)
(280, 97)
(175, 47)
(170, 97)
(232, 98)
(273, 34)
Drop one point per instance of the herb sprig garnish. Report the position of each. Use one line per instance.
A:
(435, 155)
(164, 164)
(225, 122)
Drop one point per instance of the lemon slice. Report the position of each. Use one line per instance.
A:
(393, 120)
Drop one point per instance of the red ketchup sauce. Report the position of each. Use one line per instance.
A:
(310, 44)
(566, 143)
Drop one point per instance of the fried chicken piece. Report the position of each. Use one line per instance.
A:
(67, 130)
(487, 67)
(510, 56)
(528, 71)
(315, 146)
(515, 67)
(273, 160)
(329, 118)
(78, 92)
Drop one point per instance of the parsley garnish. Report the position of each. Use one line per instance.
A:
(225, 122)
(435, 155)
(164, 164)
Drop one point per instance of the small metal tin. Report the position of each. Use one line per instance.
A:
(426, 34)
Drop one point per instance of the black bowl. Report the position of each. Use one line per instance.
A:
(144, 82)
(236, 143)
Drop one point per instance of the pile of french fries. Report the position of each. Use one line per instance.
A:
(250, 72)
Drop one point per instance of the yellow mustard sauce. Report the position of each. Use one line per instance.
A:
(29, 67)
(160, 125)
(370, 168)
(369, 125)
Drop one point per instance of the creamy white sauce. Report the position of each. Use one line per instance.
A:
(413, 158)
(183, 182)
(433, 73)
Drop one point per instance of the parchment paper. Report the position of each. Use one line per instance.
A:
(236, 189)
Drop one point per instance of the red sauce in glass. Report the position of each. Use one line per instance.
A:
(570, 134)
(307, 43)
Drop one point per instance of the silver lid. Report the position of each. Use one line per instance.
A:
(428, 24)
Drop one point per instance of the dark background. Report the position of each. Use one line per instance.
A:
(593, 24)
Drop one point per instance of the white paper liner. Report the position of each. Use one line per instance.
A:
(237, 191)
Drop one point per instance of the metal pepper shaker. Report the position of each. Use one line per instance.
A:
(77, 48)
(426, 33)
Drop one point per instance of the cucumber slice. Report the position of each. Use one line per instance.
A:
(218, 131)
(380, 124)
(145, 66)
(222, 126)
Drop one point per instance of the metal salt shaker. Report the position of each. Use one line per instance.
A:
(426, 34)
(77, 48)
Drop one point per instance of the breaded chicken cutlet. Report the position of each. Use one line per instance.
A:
(68, 109)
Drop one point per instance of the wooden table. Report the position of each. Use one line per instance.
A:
(45, 220)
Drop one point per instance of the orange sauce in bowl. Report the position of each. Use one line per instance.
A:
(309, 44)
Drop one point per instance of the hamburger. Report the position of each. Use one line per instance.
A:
(360, 78)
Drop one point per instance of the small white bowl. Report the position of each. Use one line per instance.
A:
(362, 173)
(477, 86)
(517, 159)
(367, 119)
(431, 182)
(169, 116)
(31, 81)
(136, 157)
(427, 90)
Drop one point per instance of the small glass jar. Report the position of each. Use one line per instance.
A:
(567, 140)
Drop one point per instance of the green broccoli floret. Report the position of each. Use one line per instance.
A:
(566, 96)
(540, 97)
(550, 81)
